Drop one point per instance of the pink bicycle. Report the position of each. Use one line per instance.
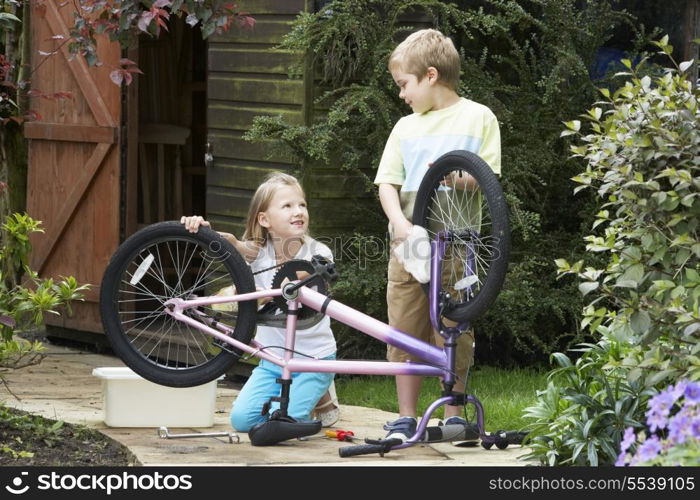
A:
(179, 308)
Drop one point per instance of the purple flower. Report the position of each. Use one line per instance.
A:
(676, 413)
(621, 460)
(695, 428)
(659, 408)
(627, 439)
(656, 420)
(648, 449)
(678, 389)
(692, 393)
(679, 427)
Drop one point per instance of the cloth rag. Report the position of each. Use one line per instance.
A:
(414, 253)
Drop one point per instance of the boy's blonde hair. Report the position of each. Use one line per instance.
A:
(261, 202)
(426, 48)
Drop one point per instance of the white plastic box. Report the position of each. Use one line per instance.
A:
(132, 401)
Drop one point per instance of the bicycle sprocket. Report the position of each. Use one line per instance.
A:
(291, 271)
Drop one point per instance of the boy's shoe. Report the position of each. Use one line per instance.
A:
(471, 431)
(403, 428)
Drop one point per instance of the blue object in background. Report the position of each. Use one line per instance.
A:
(608, 60)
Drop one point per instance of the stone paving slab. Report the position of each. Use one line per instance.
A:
(63, 387)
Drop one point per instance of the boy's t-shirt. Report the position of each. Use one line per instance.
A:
(421, 138)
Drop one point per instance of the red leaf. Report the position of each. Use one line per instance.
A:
(145, 20)
(126, 62)
(117, 76)
(7, 320)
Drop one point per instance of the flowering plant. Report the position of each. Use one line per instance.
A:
(673, 438)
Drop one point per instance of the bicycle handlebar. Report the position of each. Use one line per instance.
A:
(367, 449)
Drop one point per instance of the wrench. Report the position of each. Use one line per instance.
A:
(164, 433)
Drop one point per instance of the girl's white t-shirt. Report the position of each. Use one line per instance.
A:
(317, 341)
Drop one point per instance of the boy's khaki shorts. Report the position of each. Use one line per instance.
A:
(407, 308)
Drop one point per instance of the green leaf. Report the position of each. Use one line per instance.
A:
(633, 273)
(562, 359)
(6, 16)
(562, 265)
(574, 125)
(640, 322)
(626, 284)
(595, 113)
(587, 287)
(685, 65)
(691, 329)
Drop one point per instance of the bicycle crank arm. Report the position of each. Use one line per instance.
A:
(164, 433)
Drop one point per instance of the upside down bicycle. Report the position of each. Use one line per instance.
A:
(166, 317)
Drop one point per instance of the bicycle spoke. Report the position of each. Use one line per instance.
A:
(160, 272)
(463, 215)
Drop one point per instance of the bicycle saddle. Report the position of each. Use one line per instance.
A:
(279, 428)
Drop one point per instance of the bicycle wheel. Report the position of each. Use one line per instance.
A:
(461, 200)
(165, 261)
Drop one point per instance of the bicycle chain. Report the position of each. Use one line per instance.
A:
(275, 266)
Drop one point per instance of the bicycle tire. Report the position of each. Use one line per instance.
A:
(164, 261)
(476, 218)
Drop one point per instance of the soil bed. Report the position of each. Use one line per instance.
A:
(27, 439)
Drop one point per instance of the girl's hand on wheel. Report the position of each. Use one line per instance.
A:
(192, 223)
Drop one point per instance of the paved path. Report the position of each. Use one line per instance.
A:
(63, 387)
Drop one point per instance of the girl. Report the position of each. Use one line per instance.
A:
(276, 232)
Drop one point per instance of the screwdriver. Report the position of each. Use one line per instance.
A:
(340, 435)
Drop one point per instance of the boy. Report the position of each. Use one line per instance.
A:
(426, 68)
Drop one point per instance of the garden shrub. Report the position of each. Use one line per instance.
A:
(641, 147)
(24, 297)
(528, 61)
(581, 416)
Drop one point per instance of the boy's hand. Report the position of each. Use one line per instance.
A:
(462, 182)
(401, 230)
(193, 222)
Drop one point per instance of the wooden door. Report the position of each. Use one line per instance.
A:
(74, 161)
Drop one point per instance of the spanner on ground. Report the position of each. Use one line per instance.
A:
(165, 434)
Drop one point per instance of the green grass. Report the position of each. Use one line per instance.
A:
(503, 393)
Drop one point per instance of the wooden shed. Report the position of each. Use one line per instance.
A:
(111, 159)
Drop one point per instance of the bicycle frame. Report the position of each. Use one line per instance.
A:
(437, 361)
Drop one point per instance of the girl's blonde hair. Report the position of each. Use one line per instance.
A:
(426, 48)
(261, 202)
